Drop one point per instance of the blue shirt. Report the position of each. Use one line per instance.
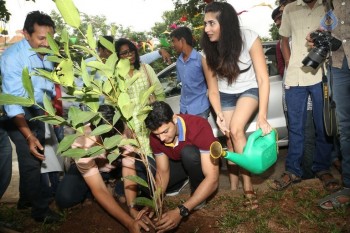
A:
(194, 99)
(13, 61)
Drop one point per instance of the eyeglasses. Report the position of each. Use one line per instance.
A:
(127, 53)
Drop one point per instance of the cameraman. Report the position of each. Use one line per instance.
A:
(341, 95)
(300, 18)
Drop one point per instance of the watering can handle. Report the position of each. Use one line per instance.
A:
(253, 137)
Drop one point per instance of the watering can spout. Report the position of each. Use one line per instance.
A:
(258, 155)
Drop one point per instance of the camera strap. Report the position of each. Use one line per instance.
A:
(329, 114)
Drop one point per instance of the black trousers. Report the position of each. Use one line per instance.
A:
(188, 167)
(30, 187)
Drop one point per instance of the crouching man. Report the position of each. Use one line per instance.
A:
(186, 139)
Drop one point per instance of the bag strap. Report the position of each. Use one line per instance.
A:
(328, 103)
(148, 78)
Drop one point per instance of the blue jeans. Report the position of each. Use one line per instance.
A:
(5, 160)
(341, 96)
(296, 98)
(30, 188)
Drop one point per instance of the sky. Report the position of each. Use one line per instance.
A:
(140, 15)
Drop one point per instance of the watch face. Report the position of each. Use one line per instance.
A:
(184, 212)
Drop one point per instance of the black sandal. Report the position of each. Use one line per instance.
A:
(281, 184)
(329, 183)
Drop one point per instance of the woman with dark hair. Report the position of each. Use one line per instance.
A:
(238, 82)
(126, 49)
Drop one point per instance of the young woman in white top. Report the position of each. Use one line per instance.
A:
(238, 83)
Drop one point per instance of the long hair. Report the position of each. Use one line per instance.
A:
(223, 56)
(132, 47)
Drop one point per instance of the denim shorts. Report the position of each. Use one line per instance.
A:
(229, 101)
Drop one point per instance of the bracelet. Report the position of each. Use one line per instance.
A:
(29, 136)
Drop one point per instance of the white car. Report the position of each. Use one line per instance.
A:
(275, 116)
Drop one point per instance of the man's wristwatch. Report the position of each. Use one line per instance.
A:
(184, 212)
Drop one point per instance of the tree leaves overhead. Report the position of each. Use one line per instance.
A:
(69, 12)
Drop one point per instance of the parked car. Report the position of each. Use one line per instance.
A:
(275, 117)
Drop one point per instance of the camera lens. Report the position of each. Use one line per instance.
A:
(315, 57)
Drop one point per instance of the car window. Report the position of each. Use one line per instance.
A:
(168, 79)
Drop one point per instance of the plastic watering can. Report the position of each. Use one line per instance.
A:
(258, 155)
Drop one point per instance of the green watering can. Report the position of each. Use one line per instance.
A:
(259, 153)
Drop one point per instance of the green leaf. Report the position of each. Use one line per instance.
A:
(145, 96)
(123, 67)
(137, 180)
(54, 59)
(78, 116)
(126, 141)
(86, 50)
(90, 37)
(107, 87)
(27, 83)
(95, 150)
(93, 106)
(113, 156)
(48, 105)
(53, 45)
(76, 153)
(143, 201)
(101, 130)
(65, 41)
(107, 44)
(130, 81)
(65, 72)
(112, 60)
(53, 120)
(112, 142)
(67, 142)
(69, 12)
(101, 66)
(116, 117)
(11, 99)
(127, 110)
(85, 74)
(47, 74)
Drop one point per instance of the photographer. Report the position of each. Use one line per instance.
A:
(340, 29)
(299, 19)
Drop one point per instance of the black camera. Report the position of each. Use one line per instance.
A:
(324, 42)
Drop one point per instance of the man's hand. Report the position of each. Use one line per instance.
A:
(35, 147)
(144, 215)
(165, 55)
(169, 220)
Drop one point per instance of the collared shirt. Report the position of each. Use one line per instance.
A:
(342, 31)
(298, 20)
(192, 130)
(13, 61)
(194, 99)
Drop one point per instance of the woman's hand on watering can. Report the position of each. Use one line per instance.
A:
(220, 120)
(262, 124)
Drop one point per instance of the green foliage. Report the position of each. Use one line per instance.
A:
(274, 32)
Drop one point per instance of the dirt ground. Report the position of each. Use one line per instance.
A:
(293, 210)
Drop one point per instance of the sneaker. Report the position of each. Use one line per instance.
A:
(176, 192)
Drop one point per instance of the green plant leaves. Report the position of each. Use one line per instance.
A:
(78, 116)
(112, 142)
(64, 72)
(48, 105)
(67, 142)
(101, 130)
(137, 180)
(27, 83)
(69, 12)
(11, 99)
(75, 153)
(142, 201)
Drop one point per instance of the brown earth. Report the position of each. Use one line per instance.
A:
(293, 210)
